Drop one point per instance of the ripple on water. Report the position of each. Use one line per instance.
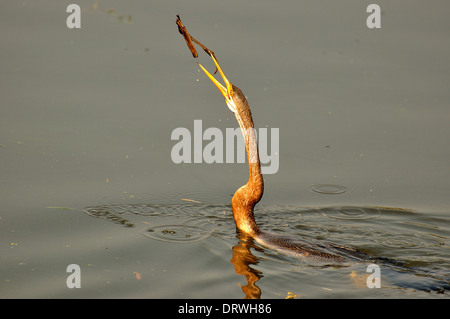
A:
(177, 233)
(329, 189)
(351, 213)
(187, 217)
(400, 241)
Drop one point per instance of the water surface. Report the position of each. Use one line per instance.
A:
(86, 118)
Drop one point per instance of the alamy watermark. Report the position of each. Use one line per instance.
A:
(374, 279)
(73, 21)
(224, 148)
(74, 279)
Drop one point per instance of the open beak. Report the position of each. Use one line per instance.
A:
(227, 91)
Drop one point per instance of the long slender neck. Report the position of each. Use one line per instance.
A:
(246, 197)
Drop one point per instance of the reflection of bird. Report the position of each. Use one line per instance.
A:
(247, 196)
(243, 259)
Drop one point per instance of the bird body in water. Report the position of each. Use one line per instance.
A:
(247, 196)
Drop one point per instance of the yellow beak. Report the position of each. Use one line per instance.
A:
(226, 92)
